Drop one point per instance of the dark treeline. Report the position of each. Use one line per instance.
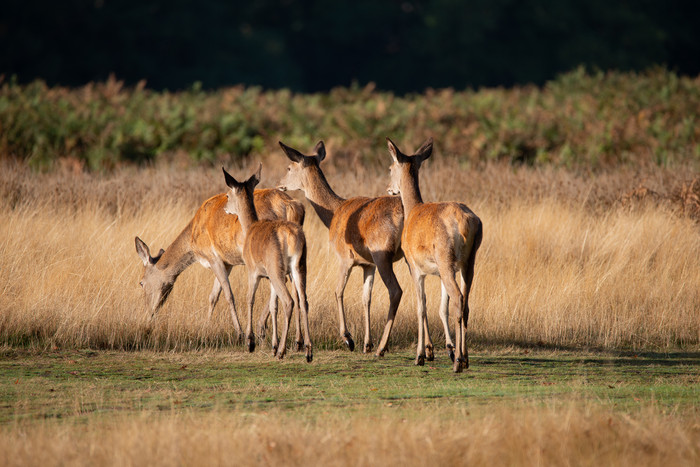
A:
(309, 46)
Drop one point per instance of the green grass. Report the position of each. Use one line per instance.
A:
(79, 386)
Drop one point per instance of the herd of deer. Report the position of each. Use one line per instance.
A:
(263, 230)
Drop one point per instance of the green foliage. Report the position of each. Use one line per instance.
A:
(579, 120)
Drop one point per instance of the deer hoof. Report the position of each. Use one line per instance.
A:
(368, 347)
(280, 354)
(430, 355)
(350, 343)
(251, 344)
(420, 360)
(460, 365)
(451, 352)
(300, 346)
(309, 355)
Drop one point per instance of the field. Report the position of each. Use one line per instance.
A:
(584, 333)
(520, 407)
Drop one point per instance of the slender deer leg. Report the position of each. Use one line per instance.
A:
(445, 316)
(299, 279)
(386, 272)
(216, 291)
(222, 276)
(467, 278)
(214, 297)
(262, 321)
(297, 339)
(368, 274)
(429, 352)
(272, 306)
(287, 304)
(343, 274)
(253, 281)
(447, 276)
(419, 281)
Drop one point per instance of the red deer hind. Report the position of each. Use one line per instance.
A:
(364, 232)
(214, 239)
(272, 249)
(439, 239)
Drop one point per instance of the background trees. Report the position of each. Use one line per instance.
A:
(310, 46)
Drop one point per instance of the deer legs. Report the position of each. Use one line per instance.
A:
(386, 272)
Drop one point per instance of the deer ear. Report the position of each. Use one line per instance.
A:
(156, 258)
(143, 251)
(292, 154)
(393, 150)
(425, 150)
(230, 181)
(320, 151)
(255, 178)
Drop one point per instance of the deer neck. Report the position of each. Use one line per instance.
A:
(410, 192)
(321, 196)
(178, 256)
(247, 214)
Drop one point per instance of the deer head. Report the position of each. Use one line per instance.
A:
(297, 175)
(240, 197)
(406, 166)
(155, 282)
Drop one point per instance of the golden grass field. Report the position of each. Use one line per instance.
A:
(567, 260)
(570, 261)
(576, 434)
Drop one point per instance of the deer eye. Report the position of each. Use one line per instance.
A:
(141, 283)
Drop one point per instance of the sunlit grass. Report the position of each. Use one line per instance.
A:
(517, 407)
(556, 268)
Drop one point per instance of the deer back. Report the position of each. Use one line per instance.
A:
(273, 244)
(215, 231)
(272, 204)
(439, 230)
(363, 225)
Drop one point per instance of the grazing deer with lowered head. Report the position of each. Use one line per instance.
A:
(214, 239)
(363, 231)
(272, 249)
(439, 239)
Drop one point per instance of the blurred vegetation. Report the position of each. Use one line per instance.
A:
(580, 120)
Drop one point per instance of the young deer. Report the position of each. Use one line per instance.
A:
(214, 239)
(272, 249)
(439, 239)
(364, 232)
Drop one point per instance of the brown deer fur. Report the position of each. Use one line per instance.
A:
(215, 239)
(272, 249)
(439, 239)
(364, 232)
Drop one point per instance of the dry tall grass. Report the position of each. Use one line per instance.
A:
(575, 434)
(564, 262)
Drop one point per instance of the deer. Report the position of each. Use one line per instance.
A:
(273, 249)
(215, 240)
(363, 231)
(438, 239)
